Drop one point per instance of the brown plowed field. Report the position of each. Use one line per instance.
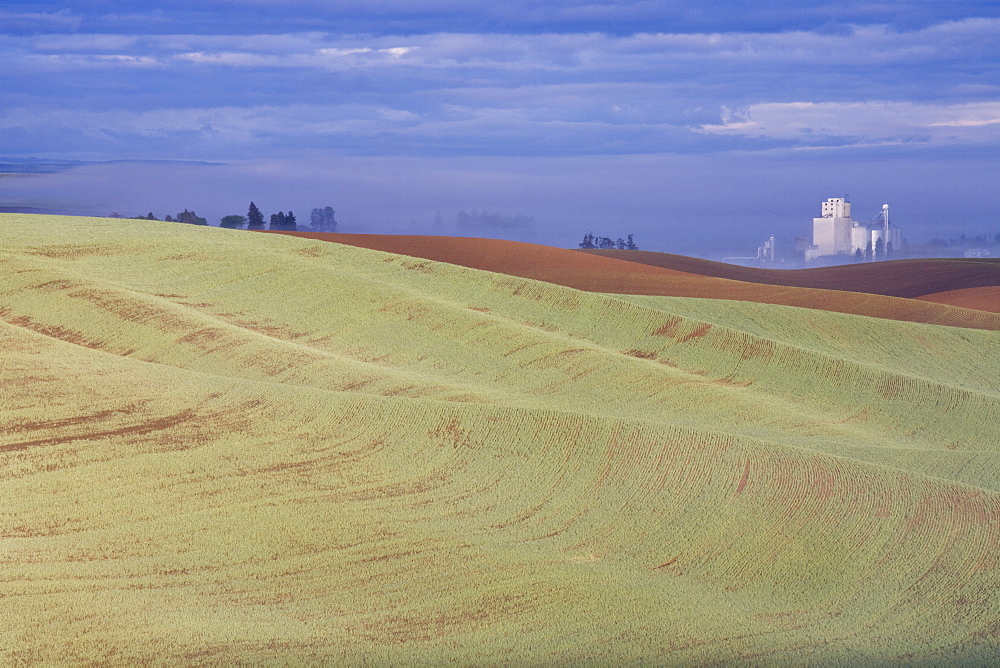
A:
(983, 299)
(599, 273)
(896, 278)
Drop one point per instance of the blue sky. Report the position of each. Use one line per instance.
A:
(697, 126)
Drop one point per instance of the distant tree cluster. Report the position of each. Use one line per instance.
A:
(323, 220)
(185, 216)
(283, 221)
(590, 242)
(233, 222)
(485, 219)
(970, 246)
(189, 217)
(964, 241)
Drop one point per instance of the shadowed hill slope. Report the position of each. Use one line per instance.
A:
(226, 447)
(595, 273)
(895, 278)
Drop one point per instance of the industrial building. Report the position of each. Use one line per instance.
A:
(836, 233)
(765, 253)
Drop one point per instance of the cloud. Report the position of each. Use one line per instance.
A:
(620, 17)
(80, 43)
(92, 61)
(194, 133)
(321, 58)
(538, 93)
(863, 123)
(60, 20)
(867, 45)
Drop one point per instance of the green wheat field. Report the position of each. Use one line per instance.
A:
(225, 447)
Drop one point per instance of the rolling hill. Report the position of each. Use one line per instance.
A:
(607, 271)
(896, 278)
(226, 447)
(985, 298)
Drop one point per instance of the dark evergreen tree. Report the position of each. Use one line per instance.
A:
(278, 221)
(858, 255)
(879, 249)
(620, 244)
(588, 241)
(630, 245)
(255, 219)
(232, 222)
(290, 221)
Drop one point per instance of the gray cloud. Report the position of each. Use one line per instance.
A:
(496, 16)
(27, 21)
(869, 123)
(471, 93)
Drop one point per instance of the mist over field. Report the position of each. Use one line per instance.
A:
(680, 204)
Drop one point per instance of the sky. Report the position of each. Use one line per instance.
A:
(698, 127)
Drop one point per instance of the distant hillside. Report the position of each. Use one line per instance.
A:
(894, 278)
(223, 447)
(984, 298)
(612, 274)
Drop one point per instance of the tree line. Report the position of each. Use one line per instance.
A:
(320, 220)
(185, 216)
(881, 251)
(590, 242)
(485, 219)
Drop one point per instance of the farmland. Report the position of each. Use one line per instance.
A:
(986, 298)
(649, 273)
(218, 446)
(897, 278)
